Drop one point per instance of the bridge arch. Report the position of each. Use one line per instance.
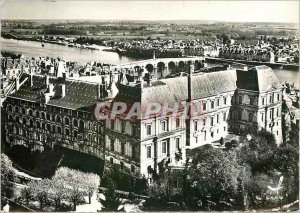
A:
(172, 67)
(161, 66)
(149, 68)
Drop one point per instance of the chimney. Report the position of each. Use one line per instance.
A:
(64, 75)
(47, 81)
(51, 89)
(99, 90)
(31, 79)
(63, 90)
(17, 81)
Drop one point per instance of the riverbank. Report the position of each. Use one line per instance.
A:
(255, 63)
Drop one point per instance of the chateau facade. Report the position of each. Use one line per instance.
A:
(58, 111)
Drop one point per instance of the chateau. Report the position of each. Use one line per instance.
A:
(57, 111)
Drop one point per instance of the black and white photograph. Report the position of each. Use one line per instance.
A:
(149, 106)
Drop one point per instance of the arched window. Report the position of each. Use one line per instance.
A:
(38, 125)
(16, 109)
(43, 125)
(58, 129)
(67, 121)
(75, 134)
(58, 119)
(53, 118)
(17, 119)
(48, 116)
(23, 111)
(37, 114)
(9, 108)
(24, 121)
(67, 132)
(30, 112)
(75, 123)
(53, 128)
(10, 117)
(48, 127)
(81, 125)
(43, 115)
(31, 123)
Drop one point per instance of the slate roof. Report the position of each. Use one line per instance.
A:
(79, 95)
(259, 78)
(203, 85)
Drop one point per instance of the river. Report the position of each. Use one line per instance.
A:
(33, 49)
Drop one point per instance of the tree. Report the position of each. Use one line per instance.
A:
(40, 190)
(57, 190)
(27, 193)
(111, 202)
(8, 177)
(213, 176)
(258, 152)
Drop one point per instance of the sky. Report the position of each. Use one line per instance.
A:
(236, 11)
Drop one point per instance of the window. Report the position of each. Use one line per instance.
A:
(195, 126)
(67, 121)
(217, 118)
(250, 116)
(263, 101)
(30, 112)
(277, 113)
(30, 123)
(177, 143)
(53, 128)
(224, 116)
(272, 114)
(48, 116)
(204, 106)
(122, 165)
(212, 105)
(278, 97)
(262, 116)
(17, 109)
(196, 139)
(43, 125)
(218, 102)
(43, 115)
(58, 119)
(204, 121)
(240, 99)
(212, 121)
(112, 145)
(112, 124)
(164, 147)
(75, 134)
(123, 148)
(148, 129)
(164, 126)
(111, 161)
(212, 134)
(67, 132)
(251, 100)
(132, 168)
(75, 123)
(225, 100)
(23, 111)
(59, 131)
(123, 124)
(177, 122)
(37, 114)
(240, 115)
(271, 98)
(148, 151)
